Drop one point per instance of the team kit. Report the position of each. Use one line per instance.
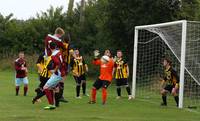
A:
(58, 59)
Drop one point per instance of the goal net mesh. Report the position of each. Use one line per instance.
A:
(154, 44)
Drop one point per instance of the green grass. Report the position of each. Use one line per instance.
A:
(20, 108)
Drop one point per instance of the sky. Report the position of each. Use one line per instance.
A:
(24, 9)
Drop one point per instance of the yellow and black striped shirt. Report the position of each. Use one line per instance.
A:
(66, 52)
(121, 70)
(78, 66)
(170, 76)
(45, 65)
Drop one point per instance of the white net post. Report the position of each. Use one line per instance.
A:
(182, 66)
(134, 64)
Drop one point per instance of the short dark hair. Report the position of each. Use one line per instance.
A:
(119, 50)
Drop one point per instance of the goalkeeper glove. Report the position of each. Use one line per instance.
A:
(96, 53)
(177, 86)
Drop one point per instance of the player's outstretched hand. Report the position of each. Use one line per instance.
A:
(96, 53)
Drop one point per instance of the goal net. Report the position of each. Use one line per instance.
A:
(180, 41)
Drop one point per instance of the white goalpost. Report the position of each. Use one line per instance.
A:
(179, 40)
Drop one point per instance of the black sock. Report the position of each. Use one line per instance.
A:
(57, 97)
(118, 91)
(128, 89)
(61, 86)
(17, 90)
(176, 98)
(164, 98)
(39, 95)
(78, 87)
(84, 87)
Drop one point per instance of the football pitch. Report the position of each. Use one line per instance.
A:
(20, 108)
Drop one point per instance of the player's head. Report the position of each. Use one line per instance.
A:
(59, 31)
(119, 53)
(76, 52)
(107, 53)
(21, 54)
(52, 45)
(105, 59)
(167, 62)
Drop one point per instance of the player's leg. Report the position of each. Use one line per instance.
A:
(83, 78)
(118, 85)
(175, 94)
(61, 90)
(39, 90)
(97, 85)
(104, 91)
(57, 95)
(128, 89)
(78, 86)
(52, 82)
(17, 85)
(25, 81)
(164, 92)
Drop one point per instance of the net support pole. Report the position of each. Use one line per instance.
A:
(182, 66)
(134, 63)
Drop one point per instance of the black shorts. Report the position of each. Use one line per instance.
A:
(43, 81)
(121, 82)
(101, 84)
(169, 88)
(80, 79)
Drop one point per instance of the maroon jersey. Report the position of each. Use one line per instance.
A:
(19, 65)
(57, 62)
(52, 38)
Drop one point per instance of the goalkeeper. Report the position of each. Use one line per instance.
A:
(106, 71)
(170, 83)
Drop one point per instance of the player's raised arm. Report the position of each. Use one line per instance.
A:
(96, 60)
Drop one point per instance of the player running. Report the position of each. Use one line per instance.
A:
(170, 83)
(106, 72)
(121, 75)
(21, 73)
(79, 68)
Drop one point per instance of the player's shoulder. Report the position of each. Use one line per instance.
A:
(49, 36)
(16, 60)
(172, 69)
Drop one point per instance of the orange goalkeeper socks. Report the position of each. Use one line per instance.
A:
(104, 95)
(93, 93)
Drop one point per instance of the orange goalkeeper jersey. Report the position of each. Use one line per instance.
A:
(106, 70)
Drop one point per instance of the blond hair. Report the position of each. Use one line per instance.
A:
(59, 31)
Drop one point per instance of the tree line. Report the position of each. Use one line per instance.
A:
(107, 24)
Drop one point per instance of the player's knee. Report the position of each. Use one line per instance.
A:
(94, 88)
(45, 87)
(25, 85)
(118, 87)
(78, 84)
(126, 85)
(163, 92)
